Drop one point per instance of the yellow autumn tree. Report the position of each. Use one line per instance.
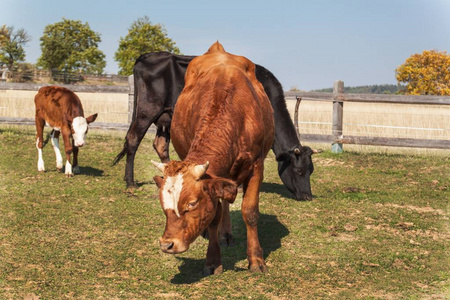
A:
(427, 73)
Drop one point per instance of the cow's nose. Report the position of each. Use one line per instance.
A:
(79, 144)
(166, 245)
(304, 197)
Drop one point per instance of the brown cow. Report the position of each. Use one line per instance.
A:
(61, 109)
(222, 129)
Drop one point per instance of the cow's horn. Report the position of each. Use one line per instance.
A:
(200, 170)
(315, 151)
(159, 165)
(297, 151)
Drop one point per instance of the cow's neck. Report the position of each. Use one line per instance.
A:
(220, 159)
(76, 111)
(285, 134)
(215, 158)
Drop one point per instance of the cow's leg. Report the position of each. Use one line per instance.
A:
(225, 233)
(161, 143)
(213, 264)
(68, 149)
(135, 134)
(40, 123)
(55, 143)
(75, 167)
(250, 213)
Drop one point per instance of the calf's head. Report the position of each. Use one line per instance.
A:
(295, 168)
(79, 127)
(190, 200)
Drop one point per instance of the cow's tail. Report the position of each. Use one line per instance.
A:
(120, 155)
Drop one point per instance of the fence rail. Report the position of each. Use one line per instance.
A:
(74, 88)
(370, 98)
(337, 137)
(338, 97)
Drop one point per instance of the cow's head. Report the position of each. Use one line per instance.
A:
(190, 200)
(295, 168)
(79, 127)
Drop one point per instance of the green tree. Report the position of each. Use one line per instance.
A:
(427, 73)
(70, 45)
(11, 45)
(142, 37)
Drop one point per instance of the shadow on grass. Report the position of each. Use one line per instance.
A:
(89, 171)
(269, 187)
(270, 230)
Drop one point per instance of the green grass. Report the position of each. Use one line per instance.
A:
(377, 229)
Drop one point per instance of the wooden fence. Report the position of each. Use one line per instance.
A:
(337, 136)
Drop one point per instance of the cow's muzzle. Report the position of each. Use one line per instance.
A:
(304, 197)
(166, 246)
(172, 246)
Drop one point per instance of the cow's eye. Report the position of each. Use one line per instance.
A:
(192, 204)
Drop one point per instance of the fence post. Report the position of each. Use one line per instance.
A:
(130, 98)
(338, 114)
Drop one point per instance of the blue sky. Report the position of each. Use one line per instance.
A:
(306, 44)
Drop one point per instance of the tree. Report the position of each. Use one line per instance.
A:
(11, 45)
(70, 45)
(142, 37)
(426, 74)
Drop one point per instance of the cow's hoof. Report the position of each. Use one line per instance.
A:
(130, 191)
(68, 175)
(131, 186)
(211, 270)
(76, 170)
(258, 269)
(59, 169)
(227, 240)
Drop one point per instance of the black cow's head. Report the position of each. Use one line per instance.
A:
(295, 168)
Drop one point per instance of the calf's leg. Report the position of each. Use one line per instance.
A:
(250, 213)
(55, 143)
(75, 167)
(68, 149)
(40, 123)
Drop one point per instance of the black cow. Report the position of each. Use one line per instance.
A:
(159, 79)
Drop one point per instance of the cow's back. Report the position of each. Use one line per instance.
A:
(223, 114)
(53, 102)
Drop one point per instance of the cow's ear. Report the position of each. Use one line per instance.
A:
(159, 181)
(91, 119)
(283, 156)
(68, 118)
(221, 188)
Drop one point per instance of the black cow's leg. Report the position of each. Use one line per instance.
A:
(161, 143)
(135, 134)
(213, 264)
(225, 234)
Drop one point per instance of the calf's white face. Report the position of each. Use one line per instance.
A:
(80, 127)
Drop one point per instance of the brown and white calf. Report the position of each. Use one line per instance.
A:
(222, 129)
(61, 109)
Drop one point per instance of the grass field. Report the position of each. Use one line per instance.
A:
(378, 228)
